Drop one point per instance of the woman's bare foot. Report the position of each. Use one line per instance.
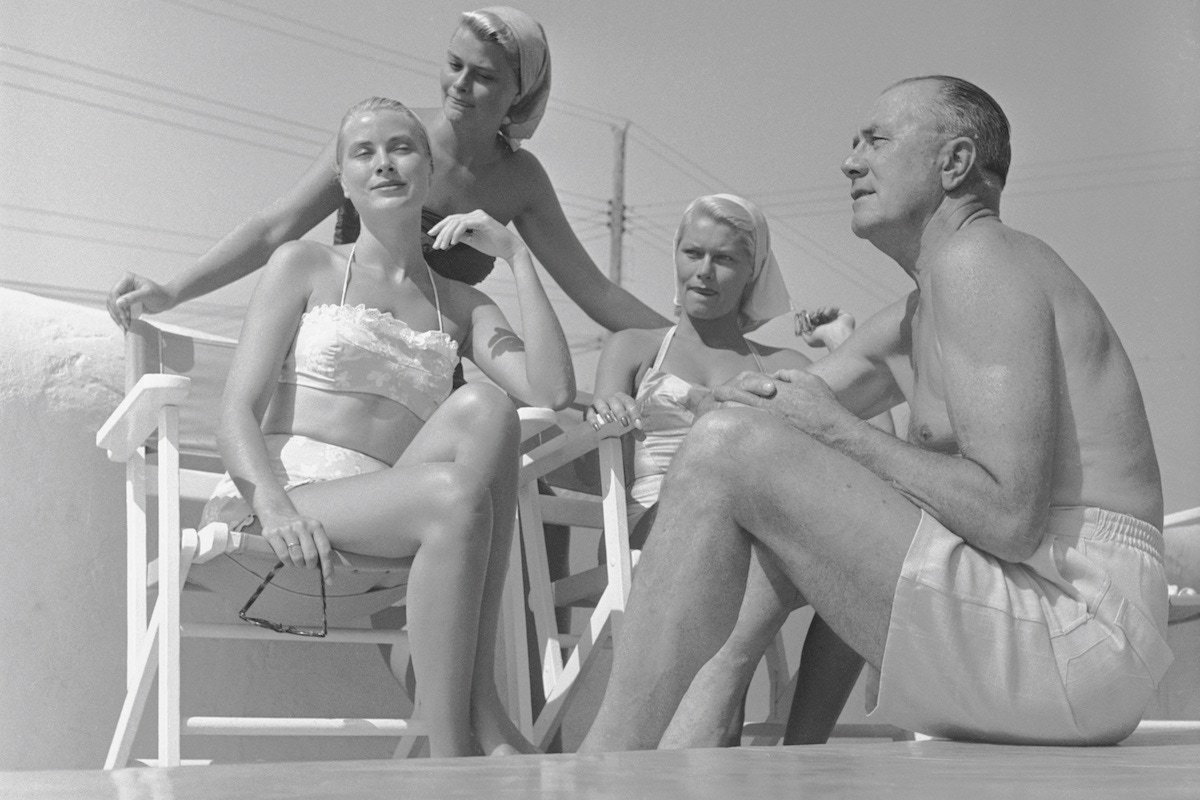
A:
(495, 732)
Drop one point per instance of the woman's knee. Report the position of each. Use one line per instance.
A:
(459, 501)
(484, 405)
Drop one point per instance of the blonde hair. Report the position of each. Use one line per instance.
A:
(373, 104)
(721, 209)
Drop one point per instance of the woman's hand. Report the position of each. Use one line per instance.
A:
(300, 541)
(134, 288)
(619, 408)
(828, 326)
(479, 231)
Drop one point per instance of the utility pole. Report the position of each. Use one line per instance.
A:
(616, 210)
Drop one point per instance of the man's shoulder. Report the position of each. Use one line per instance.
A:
(991, 243)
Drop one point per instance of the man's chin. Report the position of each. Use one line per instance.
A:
(860, 228)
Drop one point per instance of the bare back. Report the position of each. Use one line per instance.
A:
(1102, 452)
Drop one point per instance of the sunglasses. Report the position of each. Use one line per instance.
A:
(280, 628)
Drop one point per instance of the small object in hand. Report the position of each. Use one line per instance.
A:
(806, 323)
(819, 318)
(803, 323)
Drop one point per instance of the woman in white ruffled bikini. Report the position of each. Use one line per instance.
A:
(339, 428)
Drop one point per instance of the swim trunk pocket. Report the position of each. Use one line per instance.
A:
(1070, 586)
(1111, 668)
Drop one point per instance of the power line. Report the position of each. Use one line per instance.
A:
(167, 104)
(848, 270)
(160, 121)
(591, 197)
(424, 62)
(688, 167)
(424, 73)
(100, 240)
(97, 220)
(159, 87)
(1095, 186)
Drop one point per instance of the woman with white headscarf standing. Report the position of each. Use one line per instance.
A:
(727, 284)
(495, 83)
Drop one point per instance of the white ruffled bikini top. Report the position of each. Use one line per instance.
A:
(341, 348)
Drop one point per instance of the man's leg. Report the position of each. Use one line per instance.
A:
(710, 713)
(838, 532)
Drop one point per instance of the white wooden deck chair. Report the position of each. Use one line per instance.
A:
(1176, 705)
(578, 509)
(1184, 592)
(175, 378)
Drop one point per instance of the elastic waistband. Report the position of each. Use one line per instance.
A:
(1090, 522)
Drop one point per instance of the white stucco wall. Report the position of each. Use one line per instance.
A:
(63, 571)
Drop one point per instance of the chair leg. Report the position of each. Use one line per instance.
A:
(519, 700)
(583, 657)
(144, 669)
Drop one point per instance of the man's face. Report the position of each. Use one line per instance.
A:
(893, 166)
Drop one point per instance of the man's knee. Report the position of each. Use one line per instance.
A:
(740, 439)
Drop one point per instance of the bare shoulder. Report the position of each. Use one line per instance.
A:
(458, 299)
(776, 358)
(990, 275)
(995, 253)
(302, 261)
(526, 178)
(635, 345)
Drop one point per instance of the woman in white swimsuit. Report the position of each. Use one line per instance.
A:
(659, 381)
(339, 428)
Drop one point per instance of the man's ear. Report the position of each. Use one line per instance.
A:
(956, 159)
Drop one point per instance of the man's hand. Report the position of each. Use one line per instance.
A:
(799, 398)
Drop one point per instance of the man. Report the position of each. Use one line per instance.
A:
(1001, 570)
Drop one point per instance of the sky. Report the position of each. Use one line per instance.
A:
(136, 132)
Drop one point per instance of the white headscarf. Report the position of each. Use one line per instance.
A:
(766, 295)
(533, 76)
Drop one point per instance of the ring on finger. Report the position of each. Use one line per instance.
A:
(294, 544)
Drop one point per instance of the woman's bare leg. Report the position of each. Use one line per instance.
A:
(828, 671)
(486, 437)
(441, 514)
(437, 503)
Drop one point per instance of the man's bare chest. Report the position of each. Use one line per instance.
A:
(929, 425)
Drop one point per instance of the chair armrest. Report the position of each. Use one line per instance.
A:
(535, 419)
(128, 427)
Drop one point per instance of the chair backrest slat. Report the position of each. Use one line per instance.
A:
(205, 358)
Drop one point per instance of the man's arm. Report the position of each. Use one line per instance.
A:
(868, 370)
